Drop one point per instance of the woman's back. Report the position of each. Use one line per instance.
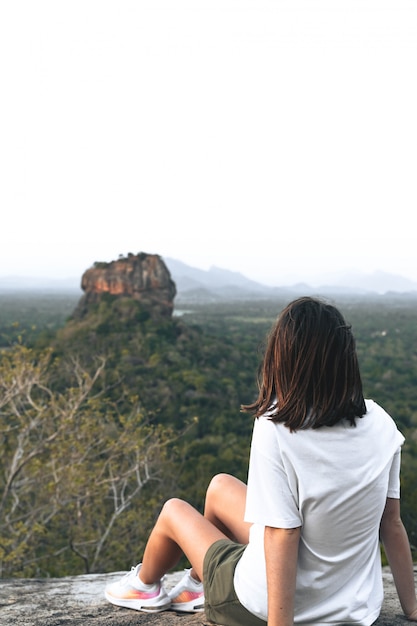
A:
(333, 482)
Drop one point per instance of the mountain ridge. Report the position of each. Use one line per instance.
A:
(188, 278)
(218, 283)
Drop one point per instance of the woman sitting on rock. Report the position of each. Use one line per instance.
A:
(300, 543)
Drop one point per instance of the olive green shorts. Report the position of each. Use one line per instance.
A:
(221, 603)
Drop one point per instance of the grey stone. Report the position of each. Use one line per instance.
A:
(79, 600)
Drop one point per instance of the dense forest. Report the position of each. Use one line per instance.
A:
(103, 418)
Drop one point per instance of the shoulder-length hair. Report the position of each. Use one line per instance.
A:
(310, 373)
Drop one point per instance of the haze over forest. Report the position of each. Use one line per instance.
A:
(191, 280)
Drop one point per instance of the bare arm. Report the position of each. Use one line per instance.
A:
(281, 552)
(397, 548)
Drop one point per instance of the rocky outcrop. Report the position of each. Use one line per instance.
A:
(142, 277)
(79, 600)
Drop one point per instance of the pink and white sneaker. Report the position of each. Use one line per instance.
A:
(188, 595)
(132, 593)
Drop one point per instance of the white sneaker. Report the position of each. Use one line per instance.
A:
(132, 593)
(188, 595)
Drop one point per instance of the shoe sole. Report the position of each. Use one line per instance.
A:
(187, 607)
(136, 605)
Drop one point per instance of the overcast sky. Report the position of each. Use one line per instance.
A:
(275, 138)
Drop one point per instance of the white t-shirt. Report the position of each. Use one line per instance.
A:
(333, 482)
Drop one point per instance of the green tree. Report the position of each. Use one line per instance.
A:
(71, 466)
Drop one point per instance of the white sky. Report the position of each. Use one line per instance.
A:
(268, 137)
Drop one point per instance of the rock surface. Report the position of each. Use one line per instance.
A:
(143, 277)
(79, 600)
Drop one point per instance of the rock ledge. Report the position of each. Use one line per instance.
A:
(79, 600)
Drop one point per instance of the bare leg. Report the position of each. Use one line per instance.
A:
(179, 529)
(182, 529)
(225, 507)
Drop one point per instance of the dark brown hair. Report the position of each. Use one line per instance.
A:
(310, 373)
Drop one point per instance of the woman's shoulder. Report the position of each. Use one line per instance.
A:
(373, 409)
(379, 419)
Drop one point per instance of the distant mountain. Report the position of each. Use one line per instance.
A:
(217, 284)
(220, 284)
(190, 278)
(379, 282)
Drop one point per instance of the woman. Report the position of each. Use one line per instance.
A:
(300, 543)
